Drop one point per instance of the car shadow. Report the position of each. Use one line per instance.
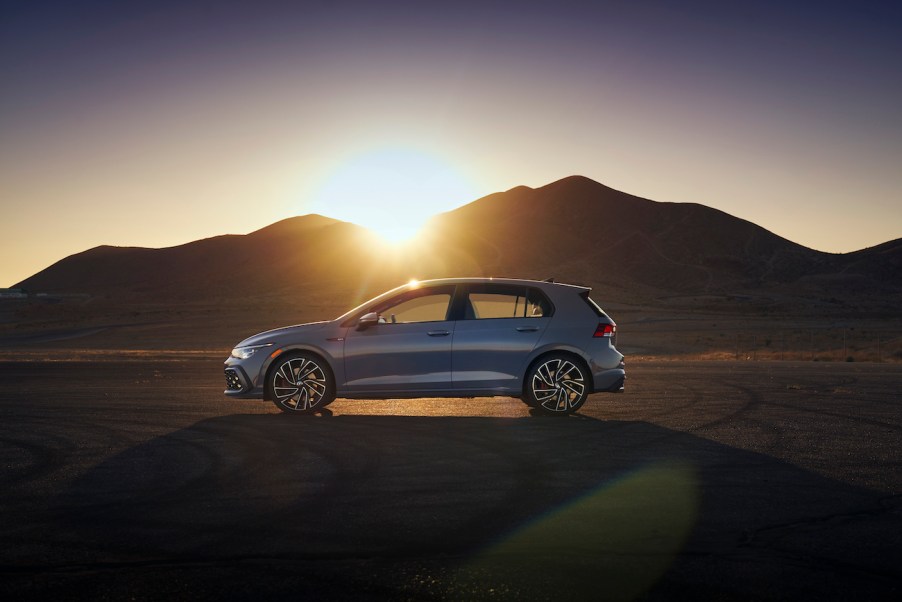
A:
(471, 507)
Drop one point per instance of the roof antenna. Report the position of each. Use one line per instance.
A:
(549, 279)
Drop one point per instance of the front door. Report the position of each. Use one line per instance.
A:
(409, 350)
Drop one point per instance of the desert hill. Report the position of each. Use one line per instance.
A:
(574, 229)
(581, 229)
(226, 266)
(678, 277)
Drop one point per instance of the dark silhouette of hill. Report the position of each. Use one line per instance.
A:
(276, 256)
(574, 229)
(583, 230)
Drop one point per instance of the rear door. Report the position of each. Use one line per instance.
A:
(500, 325)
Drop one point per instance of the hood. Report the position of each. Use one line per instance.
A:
(273, 336)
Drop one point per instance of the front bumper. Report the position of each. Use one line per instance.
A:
(238, 384)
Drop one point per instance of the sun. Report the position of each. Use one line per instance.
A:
(392, 191)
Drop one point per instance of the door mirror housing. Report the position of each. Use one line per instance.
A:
(367, 320)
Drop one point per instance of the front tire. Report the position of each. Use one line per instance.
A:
(557, 385)
(300, 384)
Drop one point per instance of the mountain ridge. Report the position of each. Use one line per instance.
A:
(574, 228)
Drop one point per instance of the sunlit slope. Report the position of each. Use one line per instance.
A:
(574, 229)
(582, 229)
(279, 255)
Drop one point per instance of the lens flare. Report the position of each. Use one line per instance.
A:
(613, 543)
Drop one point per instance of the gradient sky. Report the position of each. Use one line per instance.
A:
(154, 124)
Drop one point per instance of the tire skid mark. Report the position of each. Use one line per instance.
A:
(216, 452)
(54, 450)
(45, 459)
(772, 536)
(845, 417)
(191, 481)
(353, 471)
(884, 505)
(695, 397)
(751, 398)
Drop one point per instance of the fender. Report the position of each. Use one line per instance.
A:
(331, 360)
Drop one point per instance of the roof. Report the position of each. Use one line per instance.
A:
(543, 284)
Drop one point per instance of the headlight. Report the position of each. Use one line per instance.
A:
(242, 353)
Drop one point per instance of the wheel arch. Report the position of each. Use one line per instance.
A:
(567, 351)
(295, 351)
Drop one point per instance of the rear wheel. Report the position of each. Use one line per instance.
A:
(300, 384)
(557, 385)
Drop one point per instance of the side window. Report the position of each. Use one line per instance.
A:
(538, 305)
(497, 305)
(422, 308)
(492, 301)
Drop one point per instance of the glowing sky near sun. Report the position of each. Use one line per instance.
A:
(157, 123)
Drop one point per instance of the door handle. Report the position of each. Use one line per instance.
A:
(438, 333)
(527, 328)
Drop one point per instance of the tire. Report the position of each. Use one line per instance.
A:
(556, 385)
(300, 384)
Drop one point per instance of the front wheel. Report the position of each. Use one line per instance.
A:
(300, 384)
(557, 385)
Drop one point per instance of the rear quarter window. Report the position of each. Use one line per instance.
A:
(592, 304)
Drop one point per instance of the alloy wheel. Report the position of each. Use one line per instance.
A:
(299, 384)
(558, 385)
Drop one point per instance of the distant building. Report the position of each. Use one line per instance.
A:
(13, 293)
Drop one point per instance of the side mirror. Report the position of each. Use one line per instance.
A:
(367, 320)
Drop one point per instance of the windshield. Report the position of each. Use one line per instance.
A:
(360, 307)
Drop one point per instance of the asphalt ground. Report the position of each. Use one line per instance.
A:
(705, 480)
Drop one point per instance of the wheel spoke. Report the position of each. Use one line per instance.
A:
(320, 387)
(544, 373)
(287, 375)
(573, 386)
(297, 369)
(543, 395)
(292, 391)
(307, 373)
(563, 371)
(553, 402)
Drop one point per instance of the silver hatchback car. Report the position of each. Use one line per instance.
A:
(546, 343)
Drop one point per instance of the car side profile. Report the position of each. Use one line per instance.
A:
(546, 343)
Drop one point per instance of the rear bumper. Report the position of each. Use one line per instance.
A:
(610, 381)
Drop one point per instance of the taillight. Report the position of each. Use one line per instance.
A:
(605, 330)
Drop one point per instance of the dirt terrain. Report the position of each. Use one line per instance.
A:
(129, 476)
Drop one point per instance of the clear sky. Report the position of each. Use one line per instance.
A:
(158, 123)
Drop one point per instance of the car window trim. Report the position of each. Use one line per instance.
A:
(464, 291)
(451, 288)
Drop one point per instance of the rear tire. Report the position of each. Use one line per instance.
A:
(557, 385)
(300, 384)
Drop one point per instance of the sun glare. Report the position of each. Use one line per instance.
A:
(392, 191)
